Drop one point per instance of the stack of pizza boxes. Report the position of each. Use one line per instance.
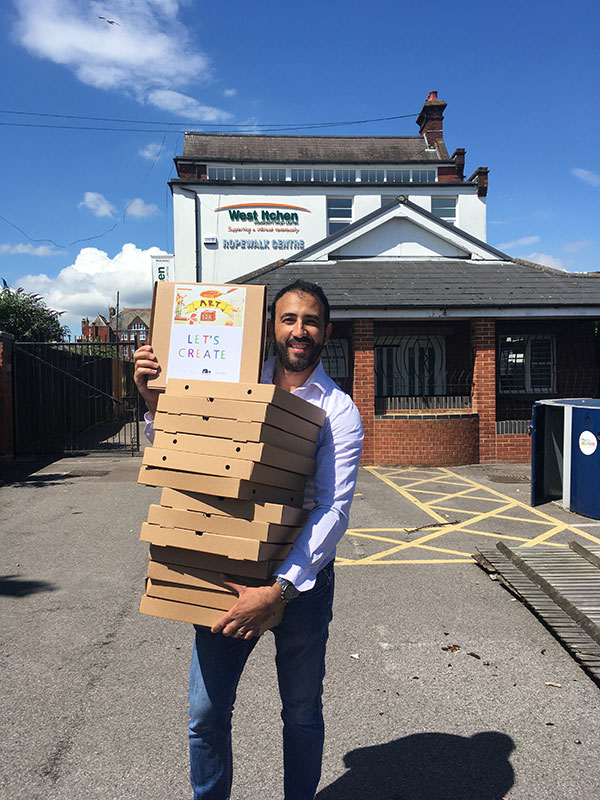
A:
(232, 455)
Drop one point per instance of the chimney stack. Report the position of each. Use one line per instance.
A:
(431, 120)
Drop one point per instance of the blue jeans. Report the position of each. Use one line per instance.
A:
(217, 665)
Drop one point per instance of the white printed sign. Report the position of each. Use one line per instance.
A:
(206, 333)
(587, 443)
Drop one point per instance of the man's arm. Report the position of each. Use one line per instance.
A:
(146, 366)
(335, 479)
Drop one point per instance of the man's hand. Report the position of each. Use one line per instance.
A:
(256, 604)
(146, 366)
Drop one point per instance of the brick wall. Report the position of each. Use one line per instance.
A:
(6, 406)
(484, 385)
(443, 440)
(363, 389)
(513, 447)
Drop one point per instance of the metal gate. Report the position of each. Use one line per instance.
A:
(72, 397)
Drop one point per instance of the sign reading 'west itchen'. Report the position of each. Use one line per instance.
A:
(260, 218)
(207, 332)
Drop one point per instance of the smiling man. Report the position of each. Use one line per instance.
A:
(303, 583)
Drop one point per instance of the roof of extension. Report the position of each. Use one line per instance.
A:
(261, 148)
(399, 284)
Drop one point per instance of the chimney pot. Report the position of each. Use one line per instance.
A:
(431, 96)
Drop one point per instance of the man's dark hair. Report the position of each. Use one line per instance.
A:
(308, 288)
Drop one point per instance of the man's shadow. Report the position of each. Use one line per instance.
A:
(428, 766)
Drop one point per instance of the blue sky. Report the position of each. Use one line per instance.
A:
(520, 80)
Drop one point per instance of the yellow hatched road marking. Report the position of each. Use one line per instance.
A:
(505, 536)
(522, 519)
(531, 510)
(401, 491)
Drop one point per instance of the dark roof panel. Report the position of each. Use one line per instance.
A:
(258, 148)
(435, 284)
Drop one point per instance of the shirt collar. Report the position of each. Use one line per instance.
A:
(317, 378)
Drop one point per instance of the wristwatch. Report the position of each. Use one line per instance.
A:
(288, 590)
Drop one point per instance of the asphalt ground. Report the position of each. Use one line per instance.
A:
(439, 683)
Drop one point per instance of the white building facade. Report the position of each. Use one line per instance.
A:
(243, 201)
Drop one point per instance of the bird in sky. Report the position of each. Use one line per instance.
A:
(110, 21)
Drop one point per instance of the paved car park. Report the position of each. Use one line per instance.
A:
(440, 684)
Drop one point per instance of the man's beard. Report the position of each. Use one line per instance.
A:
(298, 363)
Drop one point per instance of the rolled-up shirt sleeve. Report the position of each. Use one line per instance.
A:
(336, 470)
(149, 427)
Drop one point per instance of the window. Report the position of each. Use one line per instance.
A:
(323, 175)
(345, 175)
(527, 364)
(302, 174)
(335, 358)
(444, 208)
(339, 213)
(372, 175)
(423, 175)
(398, 175)
(413, 366)
(247, 174)
(220, 174)
(273, 174)
(138, 328)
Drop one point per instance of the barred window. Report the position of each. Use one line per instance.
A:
(527, 364)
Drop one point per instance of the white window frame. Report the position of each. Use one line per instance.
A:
(340, 221)
(445, 198)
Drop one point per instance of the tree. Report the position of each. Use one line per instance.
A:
(28, 318)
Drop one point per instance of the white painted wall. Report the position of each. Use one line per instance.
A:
(232, 254)
(400, 238)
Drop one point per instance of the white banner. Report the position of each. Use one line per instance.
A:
(163, 268)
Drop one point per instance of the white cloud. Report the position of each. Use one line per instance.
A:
(574, 247)
(89, 286)
(137, 208)
(586, 175)
(525, 240)
(97, 204)
(151, 151)
(185, 106)
(230, 92)
(29, 250)
(150, 48)
(545, 259)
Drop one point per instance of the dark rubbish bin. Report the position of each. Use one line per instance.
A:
(565, 459)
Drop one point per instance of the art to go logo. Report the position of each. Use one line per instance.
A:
(587, 443)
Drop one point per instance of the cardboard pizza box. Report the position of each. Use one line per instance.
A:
(227, 448)
(207, 332)
(250, 392)
(215, 427)
(231, 546)
(194, 560)
(221, 466)
(240, 411)
(189, 576)
(198, 615)
(224, 526)
(218, 486)
(190, 594)
(239, 509)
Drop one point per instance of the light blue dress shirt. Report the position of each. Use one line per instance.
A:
(329, 492)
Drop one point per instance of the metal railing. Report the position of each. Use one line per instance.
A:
(74, 397)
